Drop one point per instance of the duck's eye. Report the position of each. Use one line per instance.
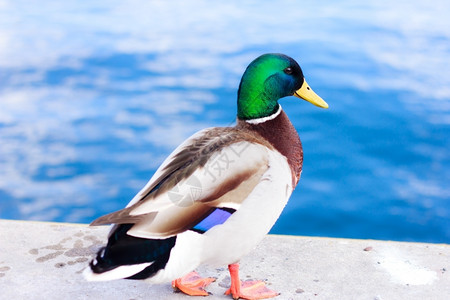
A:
(288, 70)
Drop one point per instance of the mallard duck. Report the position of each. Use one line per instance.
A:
(217, 195)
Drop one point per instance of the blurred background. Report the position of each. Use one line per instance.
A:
(95, 94)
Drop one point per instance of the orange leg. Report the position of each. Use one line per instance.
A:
(192, 284)
(250, 290)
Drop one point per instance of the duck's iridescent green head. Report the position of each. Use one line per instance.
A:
(267, 79)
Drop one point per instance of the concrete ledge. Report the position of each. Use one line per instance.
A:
(45, 261)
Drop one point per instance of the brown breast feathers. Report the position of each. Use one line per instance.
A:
(282, 135)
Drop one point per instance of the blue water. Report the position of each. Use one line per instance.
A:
(93, 96)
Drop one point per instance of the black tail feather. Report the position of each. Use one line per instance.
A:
(123, 249)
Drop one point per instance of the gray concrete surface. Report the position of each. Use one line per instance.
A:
(45, 261)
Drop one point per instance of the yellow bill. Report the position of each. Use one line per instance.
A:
(306, 93)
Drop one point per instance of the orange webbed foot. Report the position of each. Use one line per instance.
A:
(192, 284)
(252, 290)
(249, 289)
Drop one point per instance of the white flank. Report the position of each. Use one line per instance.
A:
(228, 242)
(117, 273)
(265, 119)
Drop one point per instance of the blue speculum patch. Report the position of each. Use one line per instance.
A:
(216, 217)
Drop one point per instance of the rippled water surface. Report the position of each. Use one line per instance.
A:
(94, 95)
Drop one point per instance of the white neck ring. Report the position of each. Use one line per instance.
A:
(265, 119)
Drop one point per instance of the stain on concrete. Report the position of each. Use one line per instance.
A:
(226, 282)
(78, 244)
(90, 238)
(80, 251)
(79, 248)
(49, 256)
(59, 265)
(3, 270)
(34, 251)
